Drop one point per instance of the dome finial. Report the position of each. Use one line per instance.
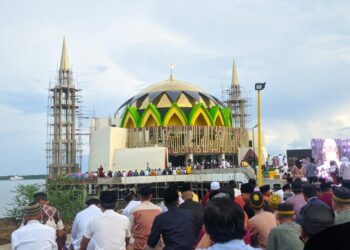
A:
(171, 67)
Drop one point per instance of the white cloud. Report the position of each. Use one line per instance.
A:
(281, 135)
(300, 48)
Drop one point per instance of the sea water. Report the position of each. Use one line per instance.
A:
(6, 194)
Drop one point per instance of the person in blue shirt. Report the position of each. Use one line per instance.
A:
(311, 171)
(309, 192)
(177, 226)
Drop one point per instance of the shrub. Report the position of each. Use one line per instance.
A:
(23, 196)
(68, 199)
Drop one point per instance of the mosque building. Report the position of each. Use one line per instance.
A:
(170, 122)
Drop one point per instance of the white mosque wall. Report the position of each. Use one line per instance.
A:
(103, 143)
(99, 122)
(253, 136)
(255, 139)
(126, 159)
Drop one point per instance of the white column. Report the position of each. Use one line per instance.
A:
(189, 157)
(221, 157)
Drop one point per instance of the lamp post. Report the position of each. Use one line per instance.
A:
(259, 87)
(253, 141)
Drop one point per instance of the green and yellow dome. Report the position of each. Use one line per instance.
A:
(174, 103)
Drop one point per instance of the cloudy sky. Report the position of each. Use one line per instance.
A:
(300, 48)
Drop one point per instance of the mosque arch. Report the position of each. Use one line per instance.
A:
(227, 114)
(175, 117)
(129, 122)
(219, 120)
(175, 121)
(201, 121)
(199, 116)
(151, 121)
(217, 116)
(131, 118)
(150, 117)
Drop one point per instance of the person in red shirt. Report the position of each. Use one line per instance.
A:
(100, 172)
(326, 193)
(243, 198)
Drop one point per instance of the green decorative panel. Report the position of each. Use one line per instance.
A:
(133, 113)
(199, 115)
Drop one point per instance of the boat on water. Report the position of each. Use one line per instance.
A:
(16, 178)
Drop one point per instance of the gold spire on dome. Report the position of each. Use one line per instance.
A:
(234, 74)
(64, 66)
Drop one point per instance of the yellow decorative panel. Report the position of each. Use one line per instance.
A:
(144, 103)
(151, 121)
(201, 121)
(219, 120)
(164, 102)
(175, 121)
(211, 103)
(199, 116)
(129, 122)
(183, 101)
(174, 117)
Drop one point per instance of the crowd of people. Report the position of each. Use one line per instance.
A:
(331, 171)
(297, 215)
(148, 171)
(307, 169)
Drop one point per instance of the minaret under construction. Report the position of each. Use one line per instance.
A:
(236, 102)
(62, 122)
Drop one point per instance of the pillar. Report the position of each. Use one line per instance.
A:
(221, 157)
(189, 157)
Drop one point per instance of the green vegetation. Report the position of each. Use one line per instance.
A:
(68, 199)
(24, 195)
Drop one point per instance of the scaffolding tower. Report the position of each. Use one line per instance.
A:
(236, 100)
(64, 123)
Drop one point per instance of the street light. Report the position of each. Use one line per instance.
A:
(259, 87)
(253, 142)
